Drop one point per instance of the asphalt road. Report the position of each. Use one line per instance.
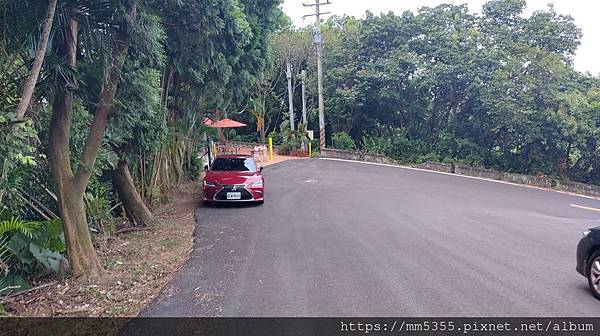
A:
(351, 239)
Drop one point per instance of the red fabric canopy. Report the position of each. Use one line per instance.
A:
(207, 121)
(227, 123)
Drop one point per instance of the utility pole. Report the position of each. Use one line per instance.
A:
(318, 40)
(290, 94)
(304, 119)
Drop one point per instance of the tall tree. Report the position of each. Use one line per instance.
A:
(495, 89)
(139, 120)
(71, 185)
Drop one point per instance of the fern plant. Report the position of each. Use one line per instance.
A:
(12, 225)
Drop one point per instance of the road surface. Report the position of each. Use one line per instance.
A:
(352, 239)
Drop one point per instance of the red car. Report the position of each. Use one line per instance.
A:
(233, 178)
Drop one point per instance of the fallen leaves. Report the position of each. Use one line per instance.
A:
(137, 266)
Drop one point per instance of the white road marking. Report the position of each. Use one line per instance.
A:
(584, 207)
(463, 176)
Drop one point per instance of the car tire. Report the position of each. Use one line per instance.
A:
(207, 203)
(593, 274)
(260, 202)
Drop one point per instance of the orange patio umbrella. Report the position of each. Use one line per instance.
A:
(227, 123)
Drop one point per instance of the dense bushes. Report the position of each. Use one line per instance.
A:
(28, 250)
(492, 89)
(342, 140)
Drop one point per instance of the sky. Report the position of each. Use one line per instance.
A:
(585, 13)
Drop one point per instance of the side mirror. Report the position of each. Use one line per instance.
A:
(205, 168)
(260, 169)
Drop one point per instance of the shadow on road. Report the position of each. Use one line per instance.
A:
(237, 205)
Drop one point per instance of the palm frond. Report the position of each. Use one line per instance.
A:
(16, 225)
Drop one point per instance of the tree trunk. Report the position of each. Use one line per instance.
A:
(107, 94)
(81, 253)
(220, 131)
(135, 209)
(37, 63)
(80, 250)
(262, 131)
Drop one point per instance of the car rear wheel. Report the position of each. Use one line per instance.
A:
(594, 274)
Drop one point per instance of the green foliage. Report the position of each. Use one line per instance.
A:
(17, 154)
(253, 137)
(138, 126)
(285, 149)
(195, 166)
(451, 148)
(496, 89)
(29, 249)
(50, 236)
(98, 210)
(82, 119)
(341, 140)
(186, 58)
(290, 140)
(15, 225)
(276, 137)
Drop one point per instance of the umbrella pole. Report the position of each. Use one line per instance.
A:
(209, 153)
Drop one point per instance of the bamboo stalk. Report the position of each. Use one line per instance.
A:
(114, 207)
(34, 207)
(38, 203)
(142, 176)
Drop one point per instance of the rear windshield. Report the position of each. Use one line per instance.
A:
(234, 164)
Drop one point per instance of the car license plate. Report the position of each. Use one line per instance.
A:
(234, 195)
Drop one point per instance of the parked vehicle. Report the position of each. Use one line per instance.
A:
(588, 259)
(233, 178)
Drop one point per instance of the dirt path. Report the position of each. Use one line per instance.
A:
(137, 266)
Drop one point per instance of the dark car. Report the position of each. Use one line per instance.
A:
(233, 178)
(588, 259)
